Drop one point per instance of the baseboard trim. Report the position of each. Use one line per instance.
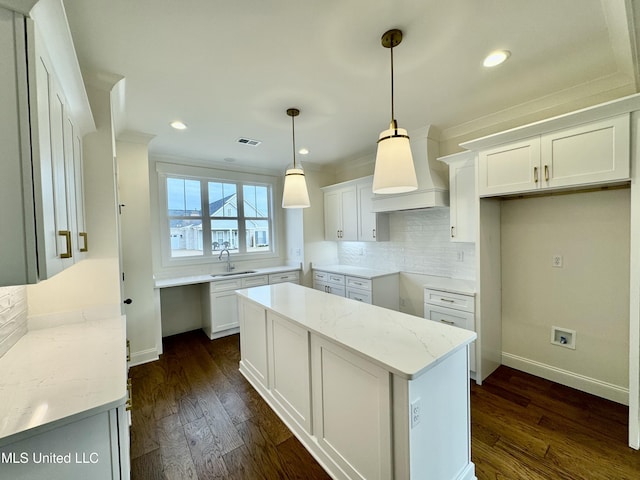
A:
(594, 386)
(143, 356)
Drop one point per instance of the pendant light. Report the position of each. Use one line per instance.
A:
(295, 194)
(394, 171)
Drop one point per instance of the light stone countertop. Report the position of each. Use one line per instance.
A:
(403, 344)
(451, 285)
(352, 271)
(52, 375)
(180, 280)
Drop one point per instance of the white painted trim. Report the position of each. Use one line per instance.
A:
(594, 386)
(144, 356)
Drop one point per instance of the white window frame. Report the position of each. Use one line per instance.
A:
(206, 175)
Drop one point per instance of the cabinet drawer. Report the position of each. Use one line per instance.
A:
(223, 285)
(255, 281)
(449, 300)
(320, 276)
(284, 277)
(456, 318)
(359, 283)
(327, 277)
(359, 295)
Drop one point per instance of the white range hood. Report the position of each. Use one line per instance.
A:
(433, 177)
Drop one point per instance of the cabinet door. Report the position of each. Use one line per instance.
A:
(372, 227)
(455, 318)
(290, 368)
(224, 311)
(589, 154)
(349, 203)
(253, 341)
(359, 295)
(351, 405)
(332, 216)
(462, 192)
(510, 168)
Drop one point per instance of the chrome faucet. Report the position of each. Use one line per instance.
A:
(229, 267)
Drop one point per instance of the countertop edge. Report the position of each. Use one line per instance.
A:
(208, 278)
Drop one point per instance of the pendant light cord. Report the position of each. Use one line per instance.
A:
(293, 130)
(392, 111)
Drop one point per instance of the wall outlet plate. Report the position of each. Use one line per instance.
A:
(556, 261)
(416, 410)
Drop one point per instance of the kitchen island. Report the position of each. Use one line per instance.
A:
(372, 393)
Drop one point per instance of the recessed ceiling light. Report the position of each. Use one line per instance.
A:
(496, 58)
(178, 125)
(303, 151)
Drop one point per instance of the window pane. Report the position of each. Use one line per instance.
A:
(222, 200)
(186, 237)
(257, 232)
(224, 234)
(183, 197)
(256, 201)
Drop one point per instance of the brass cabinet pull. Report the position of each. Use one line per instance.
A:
(129, 404)
(85, 247)
(128, 350)
(67, 235)
(535, 174)
(546, 173)
(448, 322)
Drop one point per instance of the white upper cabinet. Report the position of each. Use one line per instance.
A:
(588, 154)
(42, 171)
(348, 214)
(463, 209)
(340, 214)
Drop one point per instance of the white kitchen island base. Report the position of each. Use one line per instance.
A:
(371, 393)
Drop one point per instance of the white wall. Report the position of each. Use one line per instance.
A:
(419, 245)
(133, 182)
(589, 294)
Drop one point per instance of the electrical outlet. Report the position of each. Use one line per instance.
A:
(416, 407)
(556, 261)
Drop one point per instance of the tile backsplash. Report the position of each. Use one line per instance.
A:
(419, 244)
(13, 316)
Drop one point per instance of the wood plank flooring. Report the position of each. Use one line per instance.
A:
(196, 417)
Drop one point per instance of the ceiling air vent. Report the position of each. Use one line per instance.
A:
(249, 141)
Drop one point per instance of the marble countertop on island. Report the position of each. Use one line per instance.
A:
(352, 271)
(52, 375)
(179, 280)
(403, 344)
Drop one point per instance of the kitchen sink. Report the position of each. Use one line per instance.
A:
(228, 274)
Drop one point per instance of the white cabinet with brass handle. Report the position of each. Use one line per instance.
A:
(589, 154)
(41, 145)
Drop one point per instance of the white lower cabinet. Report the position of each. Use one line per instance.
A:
(95, 447)
(220, 313)
(351, 412)
(453, 309)
(379, 290)
(352, 405)
(289, 368)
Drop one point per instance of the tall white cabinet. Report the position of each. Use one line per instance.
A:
(590, 148)
(48, 113)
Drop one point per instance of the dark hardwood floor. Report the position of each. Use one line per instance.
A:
(196, 417)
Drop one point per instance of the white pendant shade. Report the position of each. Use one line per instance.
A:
(394, 171)
(295, 193)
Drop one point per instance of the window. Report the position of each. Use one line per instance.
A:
(204, 216)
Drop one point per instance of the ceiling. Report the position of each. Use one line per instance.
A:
(230, 69)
